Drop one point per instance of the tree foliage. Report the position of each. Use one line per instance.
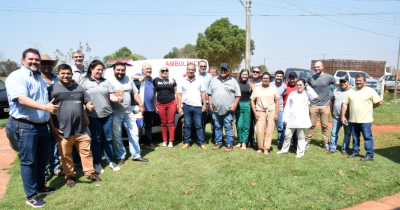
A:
(263, 68)
(123, 53)
(223, 42)
(6, 67)
(67, 57)
(188, 51)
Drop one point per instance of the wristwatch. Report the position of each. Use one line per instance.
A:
(142, 105)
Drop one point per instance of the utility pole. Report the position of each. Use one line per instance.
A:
(247, 53)
(397, 74)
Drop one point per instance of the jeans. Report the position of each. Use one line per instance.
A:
(101, 134)
(336, 125)
(223, 121)
(129, 122)
(204, 116)
(34, 150)
(192, 116)
(365, 129)
(148, 126)
(167, 113)
(294, 137)
(53, 164)
(279, 127)
(243, 117)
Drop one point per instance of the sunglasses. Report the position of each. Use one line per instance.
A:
(203, 66)
(162, 71)
(224, 70)
(256, 72)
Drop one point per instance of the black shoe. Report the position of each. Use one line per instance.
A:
(352, 156)
(367, 158)
(121, 161)
(46, 191)
(140, 159)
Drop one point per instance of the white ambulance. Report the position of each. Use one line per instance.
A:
(177, 71)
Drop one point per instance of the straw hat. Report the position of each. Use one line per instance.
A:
(45, 57)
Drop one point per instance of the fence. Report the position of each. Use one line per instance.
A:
(373, 68)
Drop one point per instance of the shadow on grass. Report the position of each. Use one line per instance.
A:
(391, 153)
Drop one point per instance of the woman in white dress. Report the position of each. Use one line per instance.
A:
(296, 116)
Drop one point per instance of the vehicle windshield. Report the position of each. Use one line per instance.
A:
(2, 85)
(390, 78)
(354, 74)
(301, 74)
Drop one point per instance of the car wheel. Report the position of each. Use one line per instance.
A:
(179, 131)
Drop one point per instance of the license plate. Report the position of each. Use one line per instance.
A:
(6, 109)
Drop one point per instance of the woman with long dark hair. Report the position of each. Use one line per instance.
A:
(296, 116)
(243, 110)
(101, 120)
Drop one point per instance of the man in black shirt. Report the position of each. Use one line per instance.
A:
(67, 125)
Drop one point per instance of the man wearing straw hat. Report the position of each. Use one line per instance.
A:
(53, 166)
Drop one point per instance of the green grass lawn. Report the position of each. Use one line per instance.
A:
(195, 179)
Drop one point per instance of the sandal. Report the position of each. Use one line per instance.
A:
(259, 151)
(266, 152)
(244, 146)
(238, 145)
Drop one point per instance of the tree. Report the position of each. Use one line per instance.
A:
(188, 51)
(67, 58)
(223, 42)
(122, 53)
(139, 57)
(263, 68)
(6, 67)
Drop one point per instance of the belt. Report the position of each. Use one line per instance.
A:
(27, 121)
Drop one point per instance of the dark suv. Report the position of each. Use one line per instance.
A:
(301, 73)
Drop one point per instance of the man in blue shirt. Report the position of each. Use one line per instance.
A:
(53, 165)
(202, 65)
(29, 113)
(148, 115)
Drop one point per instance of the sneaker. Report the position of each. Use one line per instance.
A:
(150, 146)
(98, 168)
(46, 191)
(299, 156)
(140, 159)
(282, 152)
(326, 147)
(185, 146)
(164, 145)
(217, 146)
(35, 202)
(71, 181)
(228, 148)
(330, 152)
(308, 145)
(170, 145)
(114, 166)
(352, 156)
(367, 158)
(94, 177)
(203, 147)
(121, 161)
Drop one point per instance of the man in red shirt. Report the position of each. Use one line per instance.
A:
(291, 86)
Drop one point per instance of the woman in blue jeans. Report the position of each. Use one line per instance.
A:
(101, 120)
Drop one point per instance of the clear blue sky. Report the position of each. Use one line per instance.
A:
(152, 28)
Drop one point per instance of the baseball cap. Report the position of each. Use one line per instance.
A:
(224, 65)
(292, 74)
(344, 78)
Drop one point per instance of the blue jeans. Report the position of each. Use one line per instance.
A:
(365, 129)
(294, 137)
(148, 126)
(223, 121)
(53, 164)
(193, 115)
(336, 125)
(101, 134)
(129, 122)
(204, 116)
(279, 127)
(34, 150)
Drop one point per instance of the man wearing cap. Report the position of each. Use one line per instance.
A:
(191, 93)
(53, 165)
(223, 96)
(255, 79)
(336, 112)
(320, 82)
(290, 87)
(79, 70)
(29, 113)
(361, 103)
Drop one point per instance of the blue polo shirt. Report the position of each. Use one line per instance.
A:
(22, 82)
(148, 94)
(54, 79)
(207, 80)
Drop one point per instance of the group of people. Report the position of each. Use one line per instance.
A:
(78, 114)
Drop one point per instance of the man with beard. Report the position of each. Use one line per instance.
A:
(362, 101)
(123, 116)
(278, 84)
(223, 96)
(67, 125)
(148, 115)
(78, 69)
(320, 106)
(29, 113)
(53, 165)
(191, 93)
